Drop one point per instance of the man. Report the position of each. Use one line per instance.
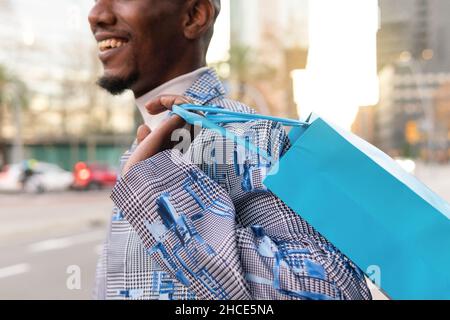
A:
(198, 224)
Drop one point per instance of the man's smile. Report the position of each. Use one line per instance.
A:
(138, 41)
(110, 44)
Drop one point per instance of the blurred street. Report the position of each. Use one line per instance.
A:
(42, 235)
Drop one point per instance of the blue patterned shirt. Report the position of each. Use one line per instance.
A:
(201, 225)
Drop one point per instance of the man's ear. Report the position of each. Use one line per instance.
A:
(199, 18)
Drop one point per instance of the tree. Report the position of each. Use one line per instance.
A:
(246, 71)
(13, 94)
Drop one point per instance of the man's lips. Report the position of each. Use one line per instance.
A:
(103, 35)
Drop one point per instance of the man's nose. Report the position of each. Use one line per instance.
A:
(102, 14)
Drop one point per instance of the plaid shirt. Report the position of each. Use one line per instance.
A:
(185, 228)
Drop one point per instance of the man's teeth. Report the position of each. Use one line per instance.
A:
(110, 44)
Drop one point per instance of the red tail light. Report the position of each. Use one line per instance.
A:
(84, 174)
(80, 166)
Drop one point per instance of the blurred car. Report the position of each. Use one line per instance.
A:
(93, 176)
(44, 177)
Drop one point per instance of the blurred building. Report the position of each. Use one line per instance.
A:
(402, 29)
(410, 117)
(272, 39)
(257, 23)
(62, 112)
(414, 72)
(419, 29)
(442, 121)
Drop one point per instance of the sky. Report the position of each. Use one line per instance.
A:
(52, 20)
(342, 60)
(220, 44)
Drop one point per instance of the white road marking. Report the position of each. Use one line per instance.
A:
(62, 243)
(14, 270)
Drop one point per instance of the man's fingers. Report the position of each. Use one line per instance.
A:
(142, 133)
(153, 142)
(164, 103)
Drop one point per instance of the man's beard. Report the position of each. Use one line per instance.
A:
(116, 85)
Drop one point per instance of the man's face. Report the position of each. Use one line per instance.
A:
(138, 40)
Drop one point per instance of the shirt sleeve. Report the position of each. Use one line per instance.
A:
(186, 222)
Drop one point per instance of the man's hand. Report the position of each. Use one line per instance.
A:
(151, 143)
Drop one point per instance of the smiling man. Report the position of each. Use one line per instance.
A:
(141, 42)
(185, 226)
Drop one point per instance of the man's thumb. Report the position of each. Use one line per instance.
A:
(142, 133)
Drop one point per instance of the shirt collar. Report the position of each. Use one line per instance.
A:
(177, 86)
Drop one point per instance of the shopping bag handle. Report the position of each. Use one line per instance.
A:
(213, 116)
(220, 115)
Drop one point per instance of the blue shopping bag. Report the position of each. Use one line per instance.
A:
(359, 199)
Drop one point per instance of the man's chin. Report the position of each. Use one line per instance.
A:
(117, 85)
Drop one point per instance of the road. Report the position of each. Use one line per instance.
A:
(43, 237)
(49, 240)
